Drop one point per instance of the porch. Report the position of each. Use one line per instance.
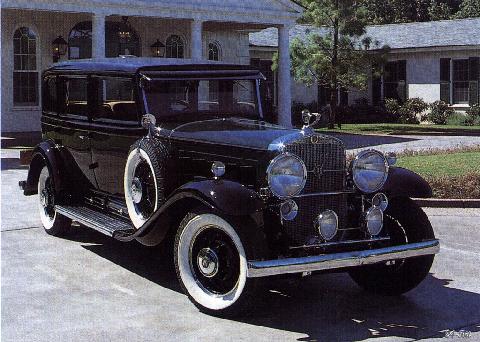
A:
(197, 32)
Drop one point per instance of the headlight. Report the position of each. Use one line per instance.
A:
(370, 171)
(287, 175)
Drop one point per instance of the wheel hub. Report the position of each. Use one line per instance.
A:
(207, 261)
(136, 190)
(45, 198)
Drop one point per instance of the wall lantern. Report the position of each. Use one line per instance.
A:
(158, 49)
(124, 30)
(59, 47)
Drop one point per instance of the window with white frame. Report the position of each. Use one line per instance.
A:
(25, 68)
(174, 47)
(213, 51)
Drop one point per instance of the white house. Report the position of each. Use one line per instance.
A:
(436, 60)
(196, 29)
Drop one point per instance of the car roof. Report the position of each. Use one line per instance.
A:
(132, 65)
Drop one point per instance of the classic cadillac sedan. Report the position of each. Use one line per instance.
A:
(180, 153)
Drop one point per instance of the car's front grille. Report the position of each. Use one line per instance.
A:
(324, 158)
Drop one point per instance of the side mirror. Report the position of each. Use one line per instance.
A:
(148, 122)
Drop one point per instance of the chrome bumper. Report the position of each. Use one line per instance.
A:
(340, 260)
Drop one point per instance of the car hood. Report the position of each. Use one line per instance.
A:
(236, 132)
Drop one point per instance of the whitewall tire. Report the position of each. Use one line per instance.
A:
(144, 179)
(211, 264)
(53, 223)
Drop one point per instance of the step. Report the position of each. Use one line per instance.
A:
(102, 222)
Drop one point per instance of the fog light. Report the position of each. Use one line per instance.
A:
(374, 221)
(380, 201)
(289, 210)
(327, 224)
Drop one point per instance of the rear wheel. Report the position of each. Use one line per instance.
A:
(53, 223)
(406, 223)
(211, 265)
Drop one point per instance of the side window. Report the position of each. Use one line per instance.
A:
(50, 94)
(116, 100)
(73, 96)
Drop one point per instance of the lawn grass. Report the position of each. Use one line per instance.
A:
(400, 129)
(451, 175)
(443, 164)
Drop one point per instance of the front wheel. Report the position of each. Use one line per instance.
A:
(211, 265)
(405, 222)
(53, 223)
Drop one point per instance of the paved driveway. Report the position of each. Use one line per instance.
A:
(88, 287)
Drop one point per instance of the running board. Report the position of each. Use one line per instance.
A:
(104, 223)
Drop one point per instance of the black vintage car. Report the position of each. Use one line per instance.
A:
(153, 151)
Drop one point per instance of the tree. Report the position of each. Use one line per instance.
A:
(468, 9)
(342, 58)
(439, 10)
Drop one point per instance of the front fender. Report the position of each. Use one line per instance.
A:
(44, 153)
(229, 197)
(405, 183)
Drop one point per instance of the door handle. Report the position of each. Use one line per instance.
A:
(83, 137)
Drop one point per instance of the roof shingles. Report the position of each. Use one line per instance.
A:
(460, 32)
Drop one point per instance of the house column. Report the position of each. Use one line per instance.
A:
(196, 39)
(98, 36)
(284, 78)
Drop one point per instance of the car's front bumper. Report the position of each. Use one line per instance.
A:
(341, 260)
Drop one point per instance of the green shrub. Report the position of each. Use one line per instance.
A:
(457, 119)
(392, 109)
(411, 110)
(473, 115)
(440, 113)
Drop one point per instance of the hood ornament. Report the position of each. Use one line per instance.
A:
(307, 118)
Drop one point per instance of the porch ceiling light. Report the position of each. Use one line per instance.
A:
(59, 48)
(158, 49)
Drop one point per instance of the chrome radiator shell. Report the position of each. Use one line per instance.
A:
(325, 161)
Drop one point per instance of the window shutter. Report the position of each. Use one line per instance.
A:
(473, 68)
(474, 77)
(402, 70)
(445, 80)
(444, 69)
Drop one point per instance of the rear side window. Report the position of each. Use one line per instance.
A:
(73, 95)
(116, 100)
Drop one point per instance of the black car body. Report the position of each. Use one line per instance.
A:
(105, 162)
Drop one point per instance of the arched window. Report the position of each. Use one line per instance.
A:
(80, 41)
(174, 47)
(213, 51)
(25, 72)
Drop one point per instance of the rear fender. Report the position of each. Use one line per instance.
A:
(44, 153)
(405, 183)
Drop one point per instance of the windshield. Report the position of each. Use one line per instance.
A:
(186, 100)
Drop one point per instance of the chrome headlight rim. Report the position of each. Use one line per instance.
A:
(269, 174)
(385, 176)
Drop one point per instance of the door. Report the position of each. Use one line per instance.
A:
(72, 129)
(115, 127)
